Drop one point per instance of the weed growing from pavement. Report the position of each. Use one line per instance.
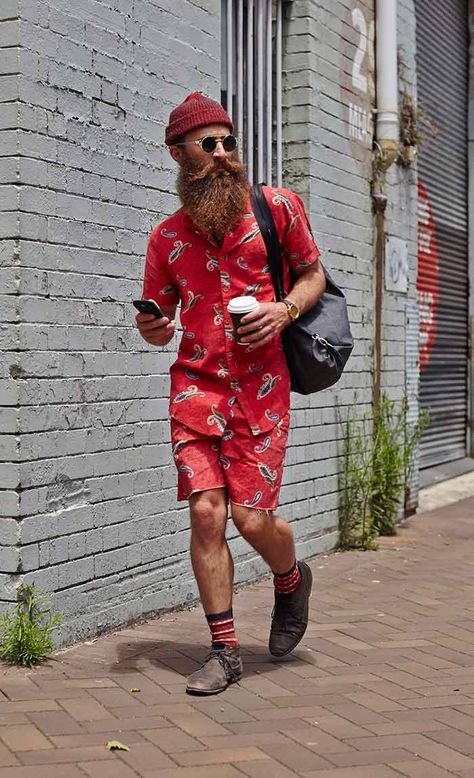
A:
(377, 454)
(26, 629)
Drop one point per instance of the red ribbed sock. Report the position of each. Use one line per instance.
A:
(286, 583)
(222, 629)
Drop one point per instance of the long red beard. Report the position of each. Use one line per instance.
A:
(214, 196)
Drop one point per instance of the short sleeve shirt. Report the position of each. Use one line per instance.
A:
(213, 371)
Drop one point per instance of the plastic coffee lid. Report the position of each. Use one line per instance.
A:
(243, 304)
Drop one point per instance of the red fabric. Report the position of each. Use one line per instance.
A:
(197, 110)
(289, 582)
(223, 631)
(212, 369)
(250, 467)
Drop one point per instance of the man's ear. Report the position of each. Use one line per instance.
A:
(176, 153)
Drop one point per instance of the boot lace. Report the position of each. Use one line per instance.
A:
(223, 660)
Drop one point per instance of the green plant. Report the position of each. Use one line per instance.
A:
(412, 434)
(388, 466)
(355, 521)
(374, 477)
(412, 118)
(26, 628)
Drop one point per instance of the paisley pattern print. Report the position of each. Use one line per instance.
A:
(279, 198)
(185, 469)
(216, 418)
(212, 261)
(294, 222)
(274, 417)
(219, 315)
(249, 468)
(252, 234)
(254, 501)
(191, 391)
(229, 331)
(199, 353)
(225, 462)
(179, 248)
(177, 448)
(268, 475)
(268, 384)
(235, 385)
(223, 371)
(192, 300)
(263, 446)
(253, 289)
(185, 266)
(225, 280)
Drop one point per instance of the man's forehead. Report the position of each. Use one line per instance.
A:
(209, 129)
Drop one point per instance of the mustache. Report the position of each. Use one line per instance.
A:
(212, 171)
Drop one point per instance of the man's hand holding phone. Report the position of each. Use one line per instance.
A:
(154, 327)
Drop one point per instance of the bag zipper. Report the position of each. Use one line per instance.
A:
(323, 341)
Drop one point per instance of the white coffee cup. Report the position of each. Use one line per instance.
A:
(238, 307)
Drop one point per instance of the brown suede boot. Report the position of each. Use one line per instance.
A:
(221, 667)
(290, 615)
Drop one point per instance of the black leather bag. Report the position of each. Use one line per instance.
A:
(318, 344)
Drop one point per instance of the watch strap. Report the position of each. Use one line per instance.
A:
(290, 304)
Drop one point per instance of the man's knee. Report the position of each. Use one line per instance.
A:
(250, 522)
(208, 516)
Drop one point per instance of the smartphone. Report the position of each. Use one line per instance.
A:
(148, 306)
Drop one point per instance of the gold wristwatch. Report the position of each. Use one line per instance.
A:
(292, 308)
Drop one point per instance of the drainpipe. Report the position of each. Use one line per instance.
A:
(386, 128)
(386, 145)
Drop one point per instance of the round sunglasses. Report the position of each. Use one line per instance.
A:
(209, 143)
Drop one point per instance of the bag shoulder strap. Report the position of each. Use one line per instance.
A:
(266, 222)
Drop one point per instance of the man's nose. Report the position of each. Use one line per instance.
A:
(219, 152)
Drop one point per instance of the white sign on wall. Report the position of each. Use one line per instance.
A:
(396, 265)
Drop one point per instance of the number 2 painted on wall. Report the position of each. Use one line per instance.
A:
(359, 80)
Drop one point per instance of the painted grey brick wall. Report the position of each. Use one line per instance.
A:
(88, 503)
(9, 284)
(335, 185)
(400, 369)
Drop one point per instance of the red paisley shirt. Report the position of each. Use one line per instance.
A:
(213, 371)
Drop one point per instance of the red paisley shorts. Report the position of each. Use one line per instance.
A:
(249, 466)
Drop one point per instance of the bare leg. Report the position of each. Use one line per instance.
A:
(210, 555)
(268, 534)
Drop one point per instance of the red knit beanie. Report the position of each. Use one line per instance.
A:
(196, 111)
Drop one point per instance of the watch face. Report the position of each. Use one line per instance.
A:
(294, 312)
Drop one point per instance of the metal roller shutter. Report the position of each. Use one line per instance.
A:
(442, 70)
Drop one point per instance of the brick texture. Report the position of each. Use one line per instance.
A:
(312, 729)
(88, 503)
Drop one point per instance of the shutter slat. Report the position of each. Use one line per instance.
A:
(442, 92)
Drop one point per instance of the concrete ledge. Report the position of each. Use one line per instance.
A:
(446, 493)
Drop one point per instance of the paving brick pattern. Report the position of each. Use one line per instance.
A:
(382, 685)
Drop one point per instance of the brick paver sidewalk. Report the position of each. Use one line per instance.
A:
(382, 685)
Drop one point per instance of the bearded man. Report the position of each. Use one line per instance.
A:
(230, 399)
